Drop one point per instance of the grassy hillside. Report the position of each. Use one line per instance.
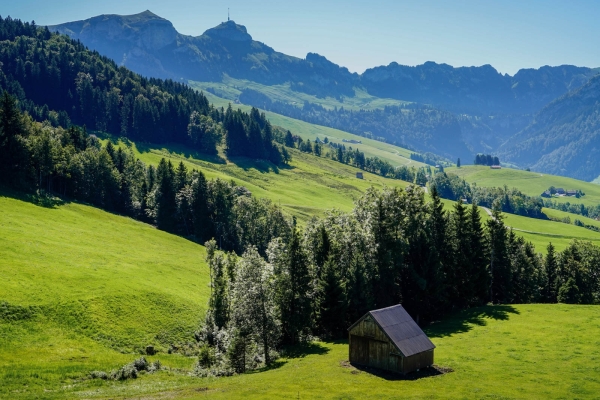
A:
(83, 289)
(530, 183)
(230, 89)
(308, 186)
(541, 232)
(311, 185)
(372, 148)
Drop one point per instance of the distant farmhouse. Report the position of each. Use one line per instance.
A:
(352, 141)
(495, 167)
(562, 192)
(359, 175)
(391, 340)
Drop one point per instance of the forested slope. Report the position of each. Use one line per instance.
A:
(564, 137)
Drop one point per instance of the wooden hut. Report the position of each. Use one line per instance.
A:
(359, 175)
(389, 339)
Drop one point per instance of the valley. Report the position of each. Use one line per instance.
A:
(203, 216)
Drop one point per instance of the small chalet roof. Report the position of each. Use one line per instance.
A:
(402, 330)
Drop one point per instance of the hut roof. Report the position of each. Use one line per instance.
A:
(402, 330)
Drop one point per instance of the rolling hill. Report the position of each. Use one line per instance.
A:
(83, 289)
(529, 182)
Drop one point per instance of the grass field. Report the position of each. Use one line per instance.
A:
(541, 232)
(86, 289)
(530, 183)
(372, 148)
(230, 89)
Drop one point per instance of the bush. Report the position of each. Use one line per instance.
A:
(128, 371)
(98, 375)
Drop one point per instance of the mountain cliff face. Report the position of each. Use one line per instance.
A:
(564, 137)
(474, 90)
(150, 45)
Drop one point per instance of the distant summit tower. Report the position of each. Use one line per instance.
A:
(227, 14)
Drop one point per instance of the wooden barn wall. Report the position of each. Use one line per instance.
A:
(369, 346)
(369, 329)
(418, 361)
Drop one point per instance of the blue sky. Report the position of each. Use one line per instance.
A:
(507, 34)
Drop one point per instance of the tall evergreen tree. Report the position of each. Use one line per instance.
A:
(551, 270)
(200, 212)
(295, 292)
(500, 273)
(165, 202)
(478, 256)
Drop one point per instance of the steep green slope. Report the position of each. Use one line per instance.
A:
(83, 289)
(309, 186)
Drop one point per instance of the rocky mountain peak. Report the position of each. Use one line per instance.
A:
(230, 31)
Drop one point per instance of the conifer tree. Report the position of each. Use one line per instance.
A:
(500, 273)
(181, 177)
(478, 256)
(550, 269)
(200, 211)
(294, 289)
(165, 203)
(332, 301)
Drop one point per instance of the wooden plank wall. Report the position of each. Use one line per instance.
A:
(370, 346)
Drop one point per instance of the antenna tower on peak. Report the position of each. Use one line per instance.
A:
(227, 14)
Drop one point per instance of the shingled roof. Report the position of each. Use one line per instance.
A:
(401, 329)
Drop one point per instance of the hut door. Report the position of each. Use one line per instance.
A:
(360, 349)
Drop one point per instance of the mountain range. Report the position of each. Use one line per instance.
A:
(496, 112)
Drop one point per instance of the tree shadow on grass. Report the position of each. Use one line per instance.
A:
(262, 166)
(178, 150)
(42, 199)
(464, 321)
(296, 351)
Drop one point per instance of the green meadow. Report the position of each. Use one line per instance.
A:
(231, 88)
(372, 148)
(309, 186)
(530, 183)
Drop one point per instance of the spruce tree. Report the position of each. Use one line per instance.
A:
(500, 273)
(478, 257)
(550, 269)
(181, 177)
(165, 203)
(201, 219)
(332, 301)
(294, 290)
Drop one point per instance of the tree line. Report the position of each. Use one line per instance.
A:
(41, 159)
(486, 159)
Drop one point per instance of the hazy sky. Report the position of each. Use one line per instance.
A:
(507, 34)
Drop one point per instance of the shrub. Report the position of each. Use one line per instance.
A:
(98, 375)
